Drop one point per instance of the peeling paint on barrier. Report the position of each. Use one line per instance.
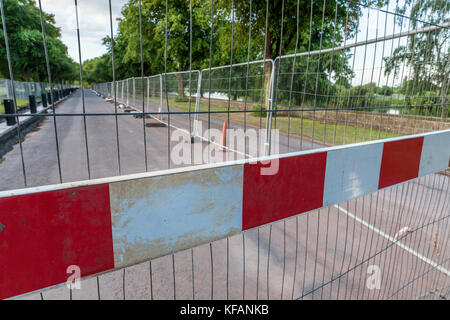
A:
(155, 216)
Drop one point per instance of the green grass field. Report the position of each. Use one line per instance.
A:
(330, 133)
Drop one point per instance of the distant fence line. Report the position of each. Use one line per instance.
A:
(200, 90)
(24, 89)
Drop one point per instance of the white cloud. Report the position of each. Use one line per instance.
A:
(94, 22)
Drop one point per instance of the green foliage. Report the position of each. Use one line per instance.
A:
(427, 53)
(154, 29)
(385, 91)
(26, 45)
(259, 113)
(127, 47)
(97, 69)
(181, 99)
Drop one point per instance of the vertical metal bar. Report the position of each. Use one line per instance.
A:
(231, 66)
(345, 250)
(209, 79)
(174, 282)
(292, 79)
(317, 72)
(329, 79)
(247, 74)
(306, 74)
(212, 270)
(148, 94)
(268, 262)
(115, 89)
(268, 142)
(190, 74)
(165, 84)
(284, 259)
(243, 265)
(326, 253)
(82, 90)
(128, 92)
(151, 280)
(142, 84)
(228, 267)
(193, 279)
(123, 85)
(275, 97)
(306, 254)
(123, 283)
(257, 268)
(317, 251)
(197, 103)
(296, 254)
(98, 288)
(264, 94)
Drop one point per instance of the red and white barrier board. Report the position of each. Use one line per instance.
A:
(110, 223)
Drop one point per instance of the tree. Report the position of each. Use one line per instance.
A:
(385, 91)
(427, 53)
(154, 30)
(332, 22)
(329, 26)
(26, 44)
(97, 69)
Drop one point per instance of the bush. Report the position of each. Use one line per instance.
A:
(181, 99)
(260, 111)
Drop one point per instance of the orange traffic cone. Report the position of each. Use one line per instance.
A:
(159, 114)
(223, 138)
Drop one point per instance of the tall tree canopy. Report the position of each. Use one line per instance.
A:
(26, 45)
(427, 53)
(288, 30)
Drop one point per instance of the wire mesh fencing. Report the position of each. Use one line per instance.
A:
(356, 73)
(352, 73)
(349, 89)
(23, 91)
(392, 244)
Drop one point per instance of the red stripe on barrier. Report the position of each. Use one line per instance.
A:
(296, 187)
(400, 161)
(44, 233)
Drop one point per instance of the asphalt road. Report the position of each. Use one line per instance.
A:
(304, 251)
(135, 153)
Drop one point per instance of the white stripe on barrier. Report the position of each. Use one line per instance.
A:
(435, 153)
(351, 173)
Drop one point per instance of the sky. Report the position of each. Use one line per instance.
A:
(94, 24)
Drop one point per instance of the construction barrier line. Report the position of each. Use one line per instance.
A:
(110, 223)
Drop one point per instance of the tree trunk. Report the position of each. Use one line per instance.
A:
(267, 69)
